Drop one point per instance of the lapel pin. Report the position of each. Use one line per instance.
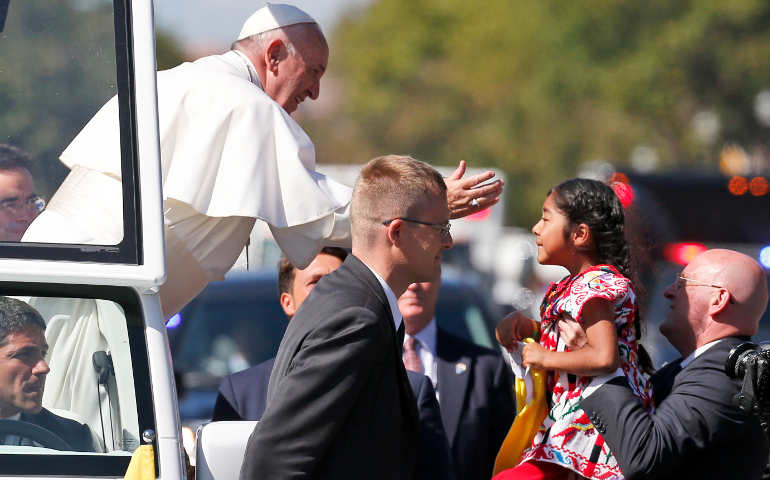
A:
(460, 367)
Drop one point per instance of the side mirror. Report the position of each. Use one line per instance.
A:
(3, 13)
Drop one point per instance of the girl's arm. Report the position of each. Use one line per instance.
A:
(598, 356)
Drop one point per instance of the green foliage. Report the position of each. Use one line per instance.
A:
(57, 68)
(168, 51)
(537, 88)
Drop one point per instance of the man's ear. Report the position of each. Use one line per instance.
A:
(393, 231)
(718, 301)
(581, 236)
(287, 303)
(274, 54)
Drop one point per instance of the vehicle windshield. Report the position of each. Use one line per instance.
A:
(58, 66)
(74, 380)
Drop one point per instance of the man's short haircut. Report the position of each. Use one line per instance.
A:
(13, 157)
(17, 316)
(286, 269)
(389, 187)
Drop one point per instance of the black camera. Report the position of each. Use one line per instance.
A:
(751, 362)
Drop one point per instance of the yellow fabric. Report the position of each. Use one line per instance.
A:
(142, 466)
(529, 417)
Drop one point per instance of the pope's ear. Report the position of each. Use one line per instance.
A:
(274, 53)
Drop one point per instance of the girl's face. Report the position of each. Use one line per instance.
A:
(553, 245)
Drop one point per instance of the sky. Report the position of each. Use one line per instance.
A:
(208, 26)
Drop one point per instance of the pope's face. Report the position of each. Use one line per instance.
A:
(16, 210)
(298, 76)
(22, 372)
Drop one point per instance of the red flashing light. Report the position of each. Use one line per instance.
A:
(682, 253)
(738, 185)
(758, 186)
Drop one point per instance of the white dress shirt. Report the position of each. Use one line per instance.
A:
(698, 352)
(391, 296)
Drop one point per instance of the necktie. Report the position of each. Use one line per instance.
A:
(411, 359)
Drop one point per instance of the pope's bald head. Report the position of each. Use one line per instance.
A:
(746, 281)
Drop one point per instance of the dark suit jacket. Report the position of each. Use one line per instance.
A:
(695, 432)
(243, 396)
(74, 433)
(476, 398)
(433, 458)
(339, 403)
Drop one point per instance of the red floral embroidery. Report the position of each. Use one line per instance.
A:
(567, 436)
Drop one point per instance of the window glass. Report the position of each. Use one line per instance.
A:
(223, 338)
(68, 384)
(59, 66)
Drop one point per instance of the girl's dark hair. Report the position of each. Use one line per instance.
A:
(596, 204)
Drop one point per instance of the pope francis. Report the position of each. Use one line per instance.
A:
(231, 153)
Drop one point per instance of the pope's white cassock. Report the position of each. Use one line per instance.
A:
(229, 155)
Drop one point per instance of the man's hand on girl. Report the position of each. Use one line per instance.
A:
(572, 333)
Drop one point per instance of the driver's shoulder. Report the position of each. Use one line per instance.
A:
(75, 433)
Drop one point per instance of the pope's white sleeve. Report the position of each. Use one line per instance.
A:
(301, 243)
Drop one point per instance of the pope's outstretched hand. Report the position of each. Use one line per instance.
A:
(466, 196)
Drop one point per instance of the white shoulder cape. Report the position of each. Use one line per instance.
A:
(227, 149)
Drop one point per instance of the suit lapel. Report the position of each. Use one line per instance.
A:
(454, 372)
(409, 401)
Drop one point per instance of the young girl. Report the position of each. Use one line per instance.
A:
(581, 229)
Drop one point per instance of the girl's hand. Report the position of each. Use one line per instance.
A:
(572, 333)
(512, 329)
(533, 356)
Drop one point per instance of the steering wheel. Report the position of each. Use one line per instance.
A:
(36, 433)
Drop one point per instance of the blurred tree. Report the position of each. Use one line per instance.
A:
(538, 88)
(57, 68)
(168, 50)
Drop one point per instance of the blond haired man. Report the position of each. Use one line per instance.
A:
(339, 402)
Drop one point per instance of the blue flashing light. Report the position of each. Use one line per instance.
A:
(174, 321)
(764, 256)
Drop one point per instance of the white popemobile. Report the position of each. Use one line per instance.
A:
(110, 366)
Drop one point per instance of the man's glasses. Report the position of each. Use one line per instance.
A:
(16, 205)
(441, 227)
(682, 281)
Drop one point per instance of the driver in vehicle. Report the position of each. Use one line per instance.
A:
(22, 379)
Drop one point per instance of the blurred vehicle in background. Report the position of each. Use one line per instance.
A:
(238, 322)
(675, 216)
